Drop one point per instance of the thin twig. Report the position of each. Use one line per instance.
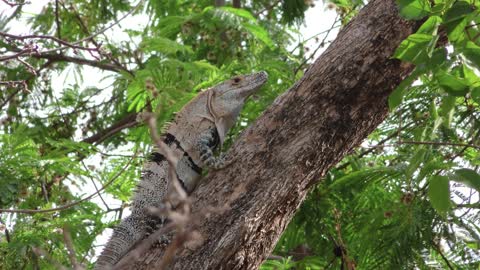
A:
(10, 97)
(274, 4)
(130, 120)
(58, 40)
(16, 55)
(95, 185)
(321, 45)
(100, 31)
(57, 20)
(437, 248)
(143, 246)
(431, 143)
(379, 144)
(191, 220)
(180, 217)
(312, 37)
(64, 207)
(7, 233)
(14, 14)
(23, 82)
(67, 238)
(167, 153)
(15, 4)
(42, 253)
(29, 67)
(469, 205)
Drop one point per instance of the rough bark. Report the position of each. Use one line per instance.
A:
(340, 100)
(219, 3)
(237, 3)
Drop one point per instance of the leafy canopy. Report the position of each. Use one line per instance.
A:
(407, 198)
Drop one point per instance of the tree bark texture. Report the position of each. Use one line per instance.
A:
(219, 3)
(341, 99)
(237, 3)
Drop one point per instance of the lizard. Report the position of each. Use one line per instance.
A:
(197, 130)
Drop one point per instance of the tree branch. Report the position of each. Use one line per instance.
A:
(57, 20)
(67, 239)
(58, 40)
(130, 120)
(15, 4)
(379, 144)
(465, 145)
(81, 61)
(320, 45)
(268, 8)
(101, 31)
(437, 248)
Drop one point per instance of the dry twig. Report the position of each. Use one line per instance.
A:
(67, 239)
(181, 219)
(15, 4)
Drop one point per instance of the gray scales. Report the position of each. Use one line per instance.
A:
(195, 133)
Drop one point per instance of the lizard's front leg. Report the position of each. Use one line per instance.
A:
(206, 144)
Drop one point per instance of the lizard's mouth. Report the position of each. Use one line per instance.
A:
(254, 82)
(260, 77)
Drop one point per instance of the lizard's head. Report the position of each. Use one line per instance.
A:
(236, 90)
(226, 99)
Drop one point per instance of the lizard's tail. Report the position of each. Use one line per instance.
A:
(124, 236)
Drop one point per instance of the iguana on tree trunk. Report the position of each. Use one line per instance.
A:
(197, 130)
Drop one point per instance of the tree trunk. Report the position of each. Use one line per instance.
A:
(237, 3)
(323, 117)
(219, 3)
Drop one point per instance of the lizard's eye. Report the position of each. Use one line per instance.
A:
(236, 80)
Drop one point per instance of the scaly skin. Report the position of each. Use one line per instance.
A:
(198, 129)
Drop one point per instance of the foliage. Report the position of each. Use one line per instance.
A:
(407, 198)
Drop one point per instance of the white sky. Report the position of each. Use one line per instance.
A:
(317, 20)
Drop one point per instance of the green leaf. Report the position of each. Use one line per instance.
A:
(240, 13)
(458, 11)
(364, 176)
(476, 94)
(396, 97)
(472, 53)
(468, 177)
(452, 84)
(430, 27)
(260, 33)
(447, 110)
(455, 20)
(170, 26)
(164, 45)
(439, 193)
(413, 49)
(470, 77)
(414, 9)
(415, 161)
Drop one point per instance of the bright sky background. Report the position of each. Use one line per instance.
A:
(317, 20)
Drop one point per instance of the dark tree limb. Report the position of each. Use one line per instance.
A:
(130, 120)
(237, 4)
(47, 37)
(57, 20)
(341, 99)
(54, 57)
